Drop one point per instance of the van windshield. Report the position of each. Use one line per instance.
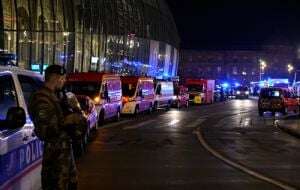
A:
(195, 88)
(128, 89)
(90, 89)
(270, 93)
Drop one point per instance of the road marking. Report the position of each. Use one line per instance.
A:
(139, 124)
(239, 166)
(196, 123)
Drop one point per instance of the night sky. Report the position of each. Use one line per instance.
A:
(229, 24)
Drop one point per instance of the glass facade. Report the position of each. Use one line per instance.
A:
(129, 37)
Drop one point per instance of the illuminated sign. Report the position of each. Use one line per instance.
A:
(36, 67)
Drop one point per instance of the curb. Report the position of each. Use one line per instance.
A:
(289, 130)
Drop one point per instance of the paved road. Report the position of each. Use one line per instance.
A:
(162, 151)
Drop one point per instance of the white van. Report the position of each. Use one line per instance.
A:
(104, 89)
(164, 93)
(138, 94)
(20, 150)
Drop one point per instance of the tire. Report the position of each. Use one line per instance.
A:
(168, 106)
(284, 111)
(155, 106)
(187, 104)
(118, 116)
(136, 110)
(150, 110)
(178, 105)
(101, 118)
(261, 112)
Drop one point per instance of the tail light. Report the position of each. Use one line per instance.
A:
(125, 100)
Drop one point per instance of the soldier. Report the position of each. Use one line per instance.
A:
(55, 129)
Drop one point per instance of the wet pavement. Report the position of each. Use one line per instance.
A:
(161, 151)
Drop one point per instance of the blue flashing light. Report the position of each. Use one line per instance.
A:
(237, 84)
(225, 85)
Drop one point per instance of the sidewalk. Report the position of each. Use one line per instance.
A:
(290, 125)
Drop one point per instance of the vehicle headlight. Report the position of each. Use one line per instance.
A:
(97, 100)
(174, 97)
(238, 92)
(247, 92)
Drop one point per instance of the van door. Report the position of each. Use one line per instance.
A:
(114, 97)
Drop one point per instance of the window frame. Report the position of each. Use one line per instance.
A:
(13, 86)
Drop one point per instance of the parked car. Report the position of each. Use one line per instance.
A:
(181, 97)
(277, 100)
(20, 150)
(138, 94)
(83, 105)
(164, 93)
(242, 92)
(104, 89)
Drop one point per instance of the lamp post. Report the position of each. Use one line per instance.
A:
(262, 67)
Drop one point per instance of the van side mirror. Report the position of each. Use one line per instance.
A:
(15, 117)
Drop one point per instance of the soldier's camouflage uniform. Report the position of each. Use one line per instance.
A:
(52, 127)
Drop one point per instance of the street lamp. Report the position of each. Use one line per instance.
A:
(262, 67)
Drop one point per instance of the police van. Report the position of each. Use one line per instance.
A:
(20, 150)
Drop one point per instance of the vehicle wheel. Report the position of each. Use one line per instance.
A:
(101, 118)
(284, 111)
(178, 105)
(150, 110)
(168, 106)
(136, 110)
(85, 141)
(118, 116)
(187, 104)
(155, 107)
(261, 112)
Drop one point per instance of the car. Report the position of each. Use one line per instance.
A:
(138, 94)
(277, 100)
(20, 150)
(241, 92)
(181, 97)
(164, 93)
(104, 89)
(83, 105)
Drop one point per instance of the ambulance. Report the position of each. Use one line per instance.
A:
(201, 91)
(104, 89)
(164, 94)
(138, 94)
(20, 150)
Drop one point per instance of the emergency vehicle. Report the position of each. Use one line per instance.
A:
(138, 94)
(181, 96)
(104, 89)
(164, 93)
(276, 99)
(201, 91)
(20, 150)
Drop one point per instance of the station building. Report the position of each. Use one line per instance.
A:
(128, 37)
